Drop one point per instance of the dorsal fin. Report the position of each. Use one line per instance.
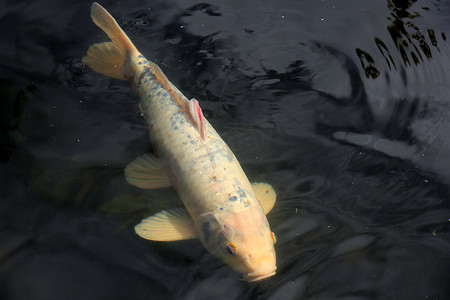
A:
(161, 78)
(197, 116)
(191, 107)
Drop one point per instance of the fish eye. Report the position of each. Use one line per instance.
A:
(274, 237)
(231, 248)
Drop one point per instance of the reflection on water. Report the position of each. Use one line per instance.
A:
(412, 42)
(408, 102)
(342, 107)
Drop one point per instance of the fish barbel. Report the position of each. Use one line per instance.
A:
(221, 208)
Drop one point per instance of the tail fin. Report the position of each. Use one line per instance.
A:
(108, 58)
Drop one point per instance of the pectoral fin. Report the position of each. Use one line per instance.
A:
(167, 225)
(265, 194)
(147, 172)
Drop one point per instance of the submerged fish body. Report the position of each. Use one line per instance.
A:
(222, 208)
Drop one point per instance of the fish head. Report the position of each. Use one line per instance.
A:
(242, 239)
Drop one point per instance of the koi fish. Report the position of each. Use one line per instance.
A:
(221, 208)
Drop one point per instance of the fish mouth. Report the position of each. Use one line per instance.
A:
(253, 278)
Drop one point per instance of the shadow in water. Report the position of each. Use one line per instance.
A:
(12, 108)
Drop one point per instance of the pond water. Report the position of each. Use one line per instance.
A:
(343, 107)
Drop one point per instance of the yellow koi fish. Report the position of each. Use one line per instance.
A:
(222, 209)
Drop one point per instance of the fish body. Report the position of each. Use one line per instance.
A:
(222, 208)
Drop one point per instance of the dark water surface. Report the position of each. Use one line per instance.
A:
(343, 106)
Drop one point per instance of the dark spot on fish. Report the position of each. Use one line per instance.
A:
(206, 230)
(176, 120)
(220, 239)
(224, 154)
(232, 198)
(221, 208)
(241, 194)
(148, 73)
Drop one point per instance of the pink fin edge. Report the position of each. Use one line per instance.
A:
(197, 116)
